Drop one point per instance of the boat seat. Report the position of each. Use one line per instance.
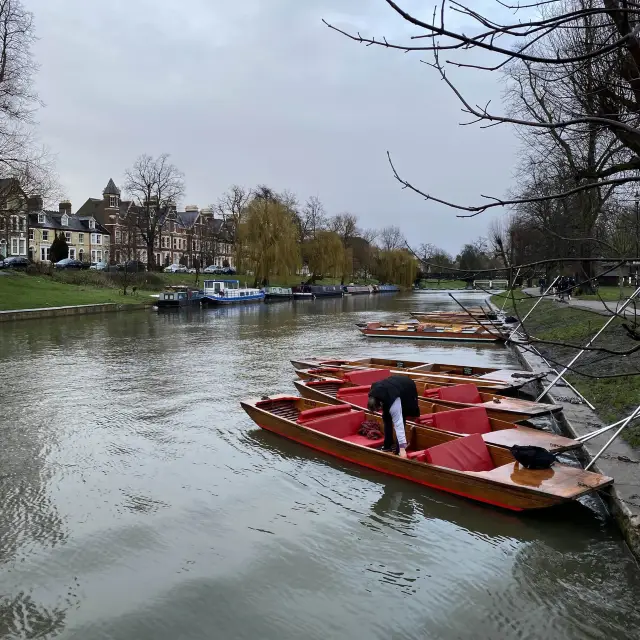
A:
(416, 455)
(366, 376)
(465, 393)
(354, 395)
(463, 454)
(364, 441)
(322, 412)
(341, 425)
(425, 420)
(465, 421)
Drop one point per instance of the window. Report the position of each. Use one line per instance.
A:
(96, 256)
(45, 237)
(81, 255)
(175, 243)
(41, 218)
(72, 253)
(92, 223)
(44, 254)
(81, 238)
(67, 236)
(65, 220)
(22, 224)
(194, 246)
(96, 238)
(14, 223)
(14, 246)
(31, 234)
(118, 236)
(113, 201)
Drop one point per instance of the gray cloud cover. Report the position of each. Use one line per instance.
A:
(260, 91)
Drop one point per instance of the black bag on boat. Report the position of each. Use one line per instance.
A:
(532, 457)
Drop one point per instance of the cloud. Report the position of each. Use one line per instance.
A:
(257, 92)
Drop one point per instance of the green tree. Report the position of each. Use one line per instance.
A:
(269, 237)
(397, 266)
(59, 248)
(325, 255)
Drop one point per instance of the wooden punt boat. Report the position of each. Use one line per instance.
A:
(476, 419)
(514, 378)
(373, 375)
(453, 397)
(462, 465)
(419, 331)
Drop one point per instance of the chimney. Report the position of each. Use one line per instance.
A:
(65, 207)
(35, 203)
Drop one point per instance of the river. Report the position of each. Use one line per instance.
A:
(140, 502)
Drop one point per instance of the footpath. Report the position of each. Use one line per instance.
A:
(597, 306)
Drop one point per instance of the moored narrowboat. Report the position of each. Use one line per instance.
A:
(277, 294)
(225, 292)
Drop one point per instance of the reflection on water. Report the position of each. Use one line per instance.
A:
(139, 501)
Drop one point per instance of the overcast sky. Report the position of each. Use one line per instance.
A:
(261, 92)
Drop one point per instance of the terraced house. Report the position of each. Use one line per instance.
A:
(183, 237)
(13, 219)
(86, 238)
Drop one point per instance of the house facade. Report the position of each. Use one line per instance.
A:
(184, 237)
(86, 238)
(14, 224)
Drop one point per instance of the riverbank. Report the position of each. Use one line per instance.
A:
(614, 398)
(70, 288)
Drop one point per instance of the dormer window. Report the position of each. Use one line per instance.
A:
(41, 218)
(92, 223)
(65, 220)
(113, 202)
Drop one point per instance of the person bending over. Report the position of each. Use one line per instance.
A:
(397, 398)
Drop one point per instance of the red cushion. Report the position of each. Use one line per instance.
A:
(340, 426)
(366, 376)
(431, 393)
(322, 412)
(355, 395)
(326, 372)
(463, 454)
(471, 420)
(426, 419)
(364, 441)
(416, 455)
(467, 393)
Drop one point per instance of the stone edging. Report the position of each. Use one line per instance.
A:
(76, 310)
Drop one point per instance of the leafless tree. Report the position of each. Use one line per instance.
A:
(154, 186)
(541, 36)
(312, 219)
(391, 238)
(231, 206)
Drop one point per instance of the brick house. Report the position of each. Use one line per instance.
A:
(184, 236)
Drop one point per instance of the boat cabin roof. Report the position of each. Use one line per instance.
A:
(227, 284)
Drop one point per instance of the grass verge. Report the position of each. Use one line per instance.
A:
(614, 398)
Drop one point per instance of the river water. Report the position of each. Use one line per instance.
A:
(140, 502)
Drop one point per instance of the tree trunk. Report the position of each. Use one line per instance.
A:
(150, 260)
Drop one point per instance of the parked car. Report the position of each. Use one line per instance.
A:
(176, 268)
(71, 263)
(213, 268)
(99, 266)
(192, 270)
(14, 262)
(131, 266)
(229, 271)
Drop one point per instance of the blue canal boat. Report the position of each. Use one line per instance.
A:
(223, 292)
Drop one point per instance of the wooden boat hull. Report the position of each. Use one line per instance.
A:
(505, 433)
(428, 335)
(508, 486)
(435, 379)
(510, 378)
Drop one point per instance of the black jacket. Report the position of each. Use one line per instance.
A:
(387, 391)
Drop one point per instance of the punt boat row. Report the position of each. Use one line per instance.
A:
(464, 442)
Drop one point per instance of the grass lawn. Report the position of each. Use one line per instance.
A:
(609, 294)
(20, 291)
(614, 398)
(442, 284)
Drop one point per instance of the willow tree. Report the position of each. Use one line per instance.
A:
(397, 266)
(269, 237)
(325, 255)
